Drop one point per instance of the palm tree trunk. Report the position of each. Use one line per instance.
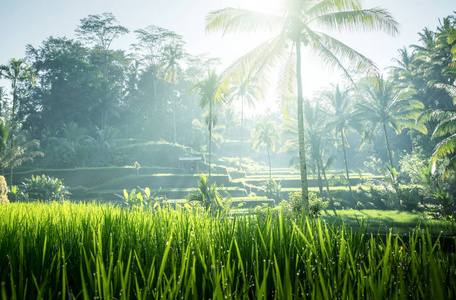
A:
(326, 179)
(269, 159)
(320, 184)
(242, 132)
(210, 143)
(388, 146)
(346, 162)
(11, 178)
(13, 117)
(302, 155)
(154, 83)
(174, 119)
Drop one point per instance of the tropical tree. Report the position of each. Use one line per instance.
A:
(3, 99)
(152, 40)
(16, 71)
(210, 92)
(208, 196)
(172, 56)
(200, 131)
(381, 104)
(70, 149)
(318, 156)
(265, 133)
(341, 117)
(68, 85)
(15, 155)
(302, 23)
(249, 91)
(105, 103)
(446, 148)
(100, 30)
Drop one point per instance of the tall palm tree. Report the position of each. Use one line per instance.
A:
(210, 91)
(383, 105)
(172, 54)
(249, 91)
(318, 139)
(2, 101)
(265, 133)
(302, 23)
(341, 117)
(16, 71)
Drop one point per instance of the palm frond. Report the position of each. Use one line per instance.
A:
(333, 53)
(236, 20)
(359, 20)
(286, 86)
(325, 7)
(444, 148)
(449, 167)
(447, 126)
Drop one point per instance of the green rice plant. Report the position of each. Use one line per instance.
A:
(91, 251)
(141, 198)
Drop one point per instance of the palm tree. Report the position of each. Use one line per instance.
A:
(106, 103)
(16, 71)
(302, 23)
(265, 133)
(210, 91)
(318, 139)
(200, 128)
(208, 196)
(383, 105)
(172, 54)
(16, 155)
(341, 118)
(2, 101)
(446, 147)
(248, 91)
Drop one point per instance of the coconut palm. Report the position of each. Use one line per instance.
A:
(265, 133)
(16, 155)
(200, 128)
(3, 99)
(208, 196)
(318, 140)
(445, 128)
(16, 71)
(172, 55)
(302, 24)
(341, 118)
(249, 91)
(210, 91)
(382, 105)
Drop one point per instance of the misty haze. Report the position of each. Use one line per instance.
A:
(277, 149)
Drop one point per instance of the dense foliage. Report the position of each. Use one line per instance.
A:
(85, 104)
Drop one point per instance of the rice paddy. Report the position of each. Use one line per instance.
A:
(89, 251)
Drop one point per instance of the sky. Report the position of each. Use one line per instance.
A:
(25, 22)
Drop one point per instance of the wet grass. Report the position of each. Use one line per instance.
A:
(88, 251)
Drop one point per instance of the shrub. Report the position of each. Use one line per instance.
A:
(43, 188)
(316, 205)
(273, 190)
(3, 191)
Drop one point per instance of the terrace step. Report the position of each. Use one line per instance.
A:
(175, 193)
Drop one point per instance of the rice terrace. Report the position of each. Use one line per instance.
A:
(276, 149)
